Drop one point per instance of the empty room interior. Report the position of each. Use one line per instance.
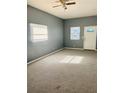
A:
(61, 46)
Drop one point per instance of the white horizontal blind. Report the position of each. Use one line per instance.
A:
(39, 32)
(75, 33)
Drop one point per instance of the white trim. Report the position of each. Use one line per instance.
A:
(56, 52)
(79, 48)
(84, 36)
(73, 48)
(91, 49)
(44, 56)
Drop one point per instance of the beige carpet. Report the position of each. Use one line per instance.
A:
(68, 71)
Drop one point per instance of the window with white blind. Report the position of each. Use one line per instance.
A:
(38, 32)
(75, 33)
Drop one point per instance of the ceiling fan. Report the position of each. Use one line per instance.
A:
(64, 3)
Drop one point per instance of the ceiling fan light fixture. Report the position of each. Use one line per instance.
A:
(65, 3)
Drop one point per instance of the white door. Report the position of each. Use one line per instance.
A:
(90, 37)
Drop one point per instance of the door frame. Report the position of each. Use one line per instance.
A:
(84, 38)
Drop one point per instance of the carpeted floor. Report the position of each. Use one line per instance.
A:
(68, 71)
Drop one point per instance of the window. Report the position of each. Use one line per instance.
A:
(75, 33)
(90, 30)
(39, 32)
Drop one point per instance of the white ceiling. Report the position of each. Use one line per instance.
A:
(82, 8)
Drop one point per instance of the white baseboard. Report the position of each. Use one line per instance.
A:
(73, 48)
(79, 48)
(44, 56)
(53, 53)
(91, 49)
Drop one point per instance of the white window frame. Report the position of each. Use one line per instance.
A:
(31, 29)
(77, 27)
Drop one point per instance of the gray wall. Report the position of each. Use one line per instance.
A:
(58, 32)
(55, 33)
(85, 21)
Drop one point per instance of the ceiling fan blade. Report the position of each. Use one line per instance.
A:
(56, 6)
(68, 0)
(71, 3)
